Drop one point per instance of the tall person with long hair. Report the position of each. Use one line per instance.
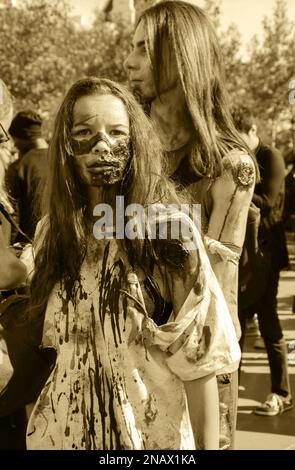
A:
(175, 66)
(137, 322)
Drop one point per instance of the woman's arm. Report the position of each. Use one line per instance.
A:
(202, 392)
(13, 272)
(30, 250)
(203, 405)
(231, 195)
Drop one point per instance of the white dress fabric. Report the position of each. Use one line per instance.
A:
(118, 378)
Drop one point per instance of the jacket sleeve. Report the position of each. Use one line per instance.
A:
(268, 189)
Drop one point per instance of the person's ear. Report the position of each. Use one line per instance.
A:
(254, 129)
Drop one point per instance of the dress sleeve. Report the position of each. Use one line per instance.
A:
(199, 338)
(267, 191)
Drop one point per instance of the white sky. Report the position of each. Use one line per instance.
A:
(247, 14)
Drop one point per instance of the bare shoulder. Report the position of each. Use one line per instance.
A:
(239, 166)
(231, 194)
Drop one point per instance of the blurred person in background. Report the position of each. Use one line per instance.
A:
(289, 208)
(25, 174)
(269, 199)
(12, 274)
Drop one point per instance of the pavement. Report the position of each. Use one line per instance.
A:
(264, 432)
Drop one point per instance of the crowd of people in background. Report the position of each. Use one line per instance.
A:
(136, 324)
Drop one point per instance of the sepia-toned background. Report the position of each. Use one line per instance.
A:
(47, 44)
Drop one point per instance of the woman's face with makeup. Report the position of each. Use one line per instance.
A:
(100, 138)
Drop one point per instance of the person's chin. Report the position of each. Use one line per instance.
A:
(90, 180)
(106, 181)
(136, 86)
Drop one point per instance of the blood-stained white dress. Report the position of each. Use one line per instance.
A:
(118, 378)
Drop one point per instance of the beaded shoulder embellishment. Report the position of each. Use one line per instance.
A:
(243, 174)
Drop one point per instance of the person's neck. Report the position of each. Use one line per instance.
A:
(256, 144)
(105, 195)
(40, 144)
(102, 195)
(174, 158)
(172, 119)
(32, 145)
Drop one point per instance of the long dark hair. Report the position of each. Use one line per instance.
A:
(6, 102)
(66, 208)
(194, 44)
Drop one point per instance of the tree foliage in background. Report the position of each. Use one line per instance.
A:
(36, 43)
(230, 44)
(261, 80)
(271, 67)
(43, 51)
(105, 48)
